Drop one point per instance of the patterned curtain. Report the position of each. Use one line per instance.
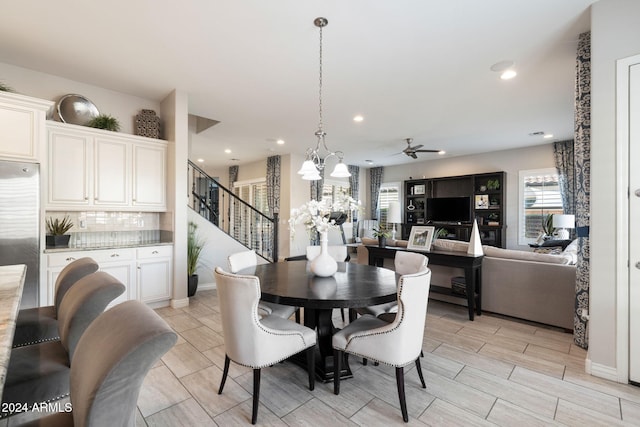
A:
(233, 175)
(582, 133)
(375, 175)
(354, 185)
(563, 154)
(273, 184)
(315, 187)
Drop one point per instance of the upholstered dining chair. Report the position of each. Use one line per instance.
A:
(398, 343)
(35, 325)
(246, 259)
(111, 361)
(254, 342)
(40, 372)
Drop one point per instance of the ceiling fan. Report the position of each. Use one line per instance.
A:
(411, 151)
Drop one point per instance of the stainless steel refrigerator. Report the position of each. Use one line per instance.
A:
(20, 223)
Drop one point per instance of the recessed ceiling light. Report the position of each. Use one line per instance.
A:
(358, 118)
(227, 151)
(547, 136)
(280, 142)
(441, 152)
(508, 74)
(502, 66)
(369, 162)
(200, 160)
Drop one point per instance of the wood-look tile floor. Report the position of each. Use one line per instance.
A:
(492, 371)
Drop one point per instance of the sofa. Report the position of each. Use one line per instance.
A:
(538, 287)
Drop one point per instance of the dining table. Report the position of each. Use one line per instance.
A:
(11, 284)
(352, 286)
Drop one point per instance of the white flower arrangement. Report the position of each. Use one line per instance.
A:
(316, 215)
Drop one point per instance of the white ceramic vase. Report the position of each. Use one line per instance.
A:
(324, 265)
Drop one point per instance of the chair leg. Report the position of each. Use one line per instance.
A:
(403, 401)
(298, 316)
(311, 366)
(419, 368)
(224, 373)
(256, 395)
(342, 314)
(337, 362)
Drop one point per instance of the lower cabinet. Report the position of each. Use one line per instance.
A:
(145, 272)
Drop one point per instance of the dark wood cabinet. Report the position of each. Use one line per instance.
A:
(486, 193)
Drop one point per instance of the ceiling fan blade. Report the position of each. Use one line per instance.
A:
(427, 151)
(417, 147)
(413, 155)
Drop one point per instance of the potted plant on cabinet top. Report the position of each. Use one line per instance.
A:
(194, 249)
(104, 121)
(382, 234)
(56, 231)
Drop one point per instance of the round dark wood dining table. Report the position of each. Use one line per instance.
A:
(352, 286)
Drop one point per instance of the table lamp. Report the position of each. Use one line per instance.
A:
(562, 222)
(394, 217)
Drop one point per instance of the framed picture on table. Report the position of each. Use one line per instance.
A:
(420, 238)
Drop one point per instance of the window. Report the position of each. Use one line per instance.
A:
(336, 190)
(539, 197)
(389, 192)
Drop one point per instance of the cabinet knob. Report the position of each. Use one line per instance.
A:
(637, 192)
(115, 255)
(70, 259)
(154, 252)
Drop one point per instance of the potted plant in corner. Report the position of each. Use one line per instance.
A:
(194, 248)
(56, 232)
(382, 234)
(547, 227)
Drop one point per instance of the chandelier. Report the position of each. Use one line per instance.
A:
(314, 161)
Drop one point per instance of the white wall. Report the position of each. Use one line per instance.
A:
(510, 161)
(615, 34)
(46, 86)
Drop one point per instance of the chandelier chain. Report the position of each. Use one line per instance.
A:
(320, 85)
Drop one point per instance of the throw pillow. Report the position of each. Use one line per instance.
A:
(551, 250)
(572, 251)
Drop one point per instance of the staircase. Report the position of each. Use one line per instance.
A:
(237, 218)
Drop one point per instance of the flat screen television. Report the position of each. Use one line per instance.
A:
(449, 209)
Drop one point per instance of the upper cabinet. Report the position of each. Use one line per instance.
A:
(102, 170)
(22, 123)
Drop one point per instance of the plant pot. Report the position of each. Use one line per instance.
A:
(382, 241)
(59, 241)
(192, 285)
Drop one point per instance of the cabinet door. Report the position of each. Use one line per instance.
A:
(69, 166)
(149, 176)
(154, 280)
(124, 272)
(111, 173)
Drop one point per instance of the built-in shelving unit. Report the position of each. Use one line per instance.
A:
(487, 197)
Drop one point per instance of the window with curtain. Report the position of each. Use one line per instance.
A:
(389, 192)
(539, 196)
(246, 228)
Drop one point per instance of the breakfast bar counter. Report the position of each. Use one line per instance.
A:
(11, 283)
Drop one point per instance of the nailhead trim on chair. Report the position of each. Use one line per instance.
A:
(37, 342)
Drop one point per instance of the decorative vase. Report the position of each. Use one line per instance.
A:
(324, 265)
(382, 241)
(58, 241)
(192, 285)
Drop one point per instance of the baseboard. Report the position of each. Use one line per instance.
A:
(179, 303)
(207, 286)
(601, 371)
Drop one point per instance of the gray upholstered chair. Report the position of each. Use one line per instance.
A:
(254, 342)
(40, 372)
(398, 343)
(404, 263)
(111, 361)
(246, 259)
(39, 324)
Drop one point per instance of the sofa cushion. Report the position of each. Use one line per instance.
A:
(451, 245)
(491, 251)
(551, 250)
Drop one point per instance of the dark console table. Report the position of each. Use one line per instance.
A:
(471, 264)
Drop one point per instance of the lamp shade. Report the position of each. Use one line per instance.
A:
(308, 167)
(393, 214)
(564, 221)
(340, 171)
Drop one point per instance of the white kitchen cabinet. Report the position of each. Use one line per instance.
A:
(145, 272)
(22, 121)
(154, 273)
(96, 169)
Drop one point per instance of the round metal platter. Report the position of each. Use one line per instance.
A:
(76, 109)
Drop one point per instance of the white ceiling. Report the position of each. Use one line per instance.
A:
(412, 68)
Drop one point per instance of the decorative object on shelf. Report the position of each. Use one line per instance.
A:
(483, 188)
(475, 243)
(482, 201)
(493, 184)
(104, 121)
(148, 124)
(314, 163)
(394, 217)
(195, 244)
(418, 189)
(317, 216)
(75, 109)
(421, 238)
(382, 234)
(56, 231)
(324, 265)
(410, 206)
(561, 223)
(547, 226)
